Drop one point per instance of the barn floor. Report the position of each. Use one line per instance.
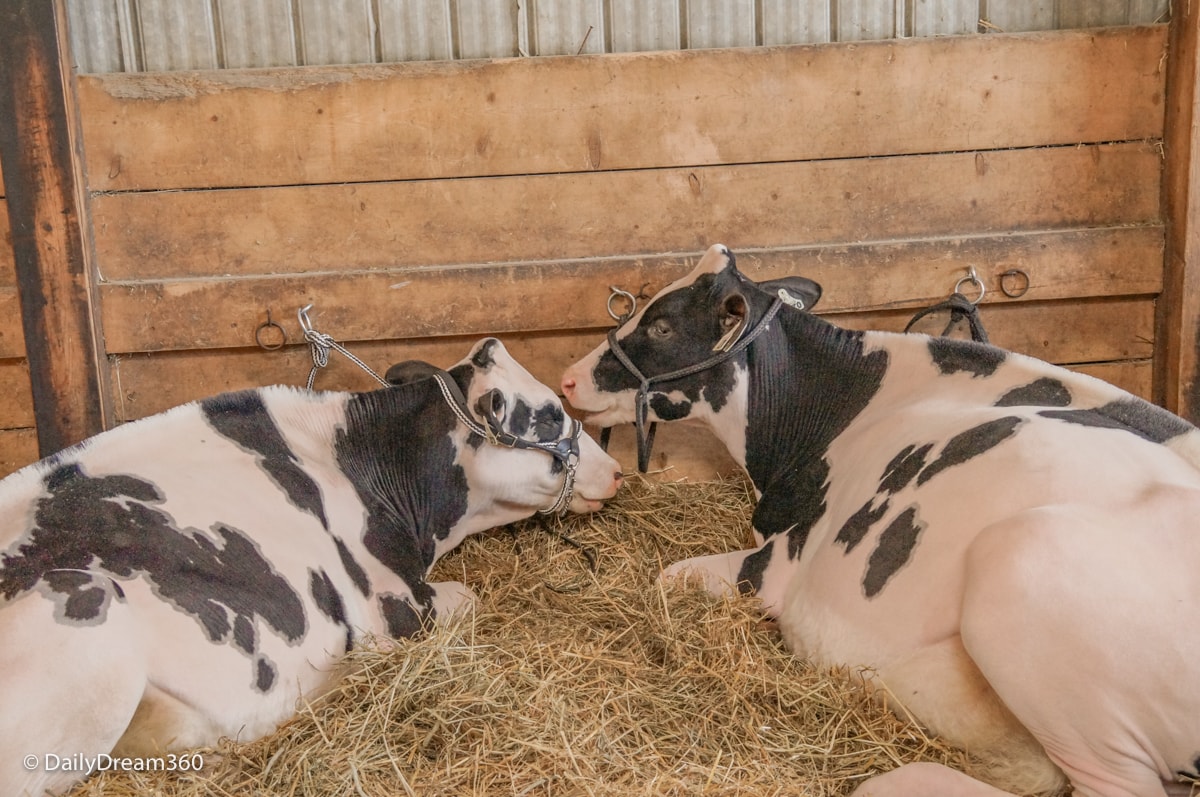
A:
(571, 680)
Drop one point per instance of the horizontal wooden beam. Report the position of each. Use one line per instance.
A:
(523, 297)
(578, 114)
(532, 218)
(1101, 330)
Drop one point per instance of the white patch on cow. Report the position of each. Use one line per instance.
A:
(141, 675)
(1036, 600)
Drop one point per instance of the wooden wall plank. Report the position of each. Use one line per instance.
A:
(547, 115)
(18, 448)
(543, 217)
(1099, 331)
(1178, 361)
(401, 303)
(16, 399)
(12, 334)
(8, 276)
(1132, 375)
(51, 233)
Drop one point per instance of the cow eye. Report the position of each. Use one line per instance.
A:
(661, 328)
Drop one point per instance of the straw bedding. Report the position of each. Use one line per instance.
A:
(568, 679)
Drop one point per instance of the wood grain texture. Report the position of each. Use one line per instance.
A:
(1177, 376)
(51, 236)
(18, 448)
(524, 297)
(1065, 332)
(587, 113)
(551, 217)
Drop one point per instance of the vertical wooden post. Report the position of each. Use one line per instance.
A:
(45, 184)
(1177, 360)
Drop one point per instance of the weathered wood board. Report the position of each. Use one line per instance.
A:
(420, 206)
(616, 112)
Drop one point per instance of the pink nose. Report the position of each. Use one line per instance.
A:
(568, 386)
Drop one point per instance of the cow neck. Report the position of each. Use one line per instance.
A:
(808, 380)
(397, 452)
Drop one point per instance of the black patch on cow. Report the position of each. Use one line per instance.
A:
(750, 575)
(86, 599)
(243, 418)
(954, 356)
(329, 602)
(485, 357)
(243, 634)
(353, 568)
(970, 444)
(893, 551)
(903, 468)
(808, 382)
(669, 410)
(1131, 415)
(857, 525)
(396, 450)
(1044, 392)
(399, 617)
(264, 675)
(109, 526)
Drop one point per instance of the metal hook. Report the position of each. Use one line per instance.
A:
(972, 277)
(258, 334)
(302, 317)
(627, 296)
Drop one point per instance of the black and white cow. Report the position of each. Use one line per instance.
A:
(190, 575)
(1013, 549)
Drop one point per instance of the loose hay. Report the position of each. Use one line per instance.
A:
(566, 681)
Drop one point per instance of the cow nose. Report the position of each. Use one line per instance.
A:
(568, 386)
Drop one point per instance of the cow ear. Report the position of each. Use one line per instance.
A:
(732, 315)
(492, 407)
(804, 292)
(409, 371)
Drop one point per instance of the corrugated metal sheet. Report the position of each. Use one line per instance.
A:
(164, 35)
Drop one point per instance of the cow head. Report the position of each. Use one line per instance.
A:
(690, 322)
(515, 472)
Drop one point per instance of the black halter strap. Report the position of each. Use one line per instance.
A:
(565, 450)
(641, 401)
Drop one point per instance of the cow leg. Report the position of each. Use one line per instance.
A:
(926, 779)
(451, 597)
(70, 691)
(724, 573)
(1073, 614)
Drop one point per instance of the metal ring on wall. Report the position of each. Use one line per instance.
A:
(1006, 283)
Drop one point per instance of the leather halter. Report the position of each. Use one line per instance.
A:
(565, 450)
(641, 401)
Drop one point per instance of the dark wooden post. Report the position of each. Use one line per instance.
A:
(45, 184)
(1177, 360)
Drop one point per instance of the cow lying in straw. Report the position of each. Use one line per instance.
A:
(1010, 546)
(190, 575)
